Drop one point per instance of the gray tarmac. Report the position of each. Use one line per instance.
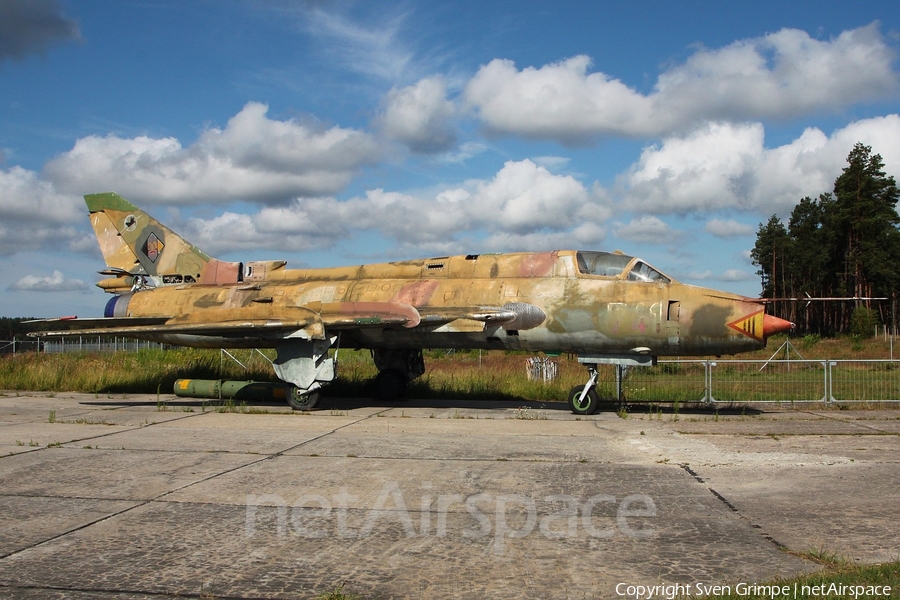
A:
(143, 497)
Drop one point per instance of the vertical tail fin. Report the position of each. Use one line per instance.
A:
(134, 242)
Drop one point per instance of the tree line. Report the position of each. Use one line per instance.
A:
(843, 244)
(12, 327)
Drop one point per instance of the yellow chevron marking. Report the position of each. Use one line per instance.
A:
(751, 325)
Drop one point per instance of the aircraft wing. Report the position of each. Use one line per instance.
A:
(76, 326)
(139, 326)
(259, 319)
(248, 320)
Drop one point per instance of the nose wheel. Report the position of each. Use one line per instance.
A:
(583, 399)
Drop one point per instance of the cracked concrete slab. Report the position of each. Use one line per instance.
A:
(430, 501)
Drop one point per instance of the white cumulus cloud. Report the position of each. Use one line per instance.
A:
(521, 206)
(783, 74)
(728, 228)
(737, 275)
(33, 214)
(254, 158)
(558, 101)
(647, 229)
(420, 116)
(54, 283)
(727, 166)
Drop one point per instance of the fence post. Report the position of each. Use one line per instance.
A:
(620, 376)
(707, 381)
(829, 381)
(831, 397)
(705, 397)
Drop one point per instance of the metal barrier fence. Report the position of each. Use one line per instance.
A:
(98, 344)
(765, 381)
(16, 346)
(77, 344)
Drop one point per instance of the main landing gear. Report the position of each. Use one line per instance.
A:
(299, 400)
(306, 367)
(396, 368)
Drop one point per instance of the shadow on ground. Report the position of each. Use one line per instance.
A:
(350, 403)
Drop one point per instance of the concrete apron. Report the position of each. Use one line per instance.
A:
(136, 498)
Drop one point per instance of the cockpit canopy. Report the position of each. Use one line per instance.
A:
(614, 264)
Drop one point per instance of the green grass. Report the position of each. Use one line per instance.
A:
(338, 593)
(837, 573)
(145, 371)
(499, 376)
(470, 375)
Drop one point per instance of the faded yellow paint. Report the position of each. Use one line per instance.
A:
(560, 301)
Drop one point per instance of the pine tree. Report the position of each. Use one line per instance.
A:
(865, 219)
(809, 265)
(770, 254)
(845, 244)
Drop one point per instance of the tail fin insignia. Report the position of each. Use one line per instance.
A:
(136, 243)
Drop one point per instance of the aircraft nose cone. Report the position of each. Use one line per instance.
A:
(773, 325)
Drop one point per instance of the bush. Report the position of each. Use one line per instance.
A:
(810, 340)
(863, 322)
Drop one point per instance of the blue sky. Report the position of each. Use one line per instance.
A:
(330, 132)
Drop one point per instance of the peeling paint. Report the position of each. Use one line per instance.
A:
(559, 301)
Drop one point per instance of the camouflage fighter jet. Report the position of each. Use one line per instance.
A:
(605, 307)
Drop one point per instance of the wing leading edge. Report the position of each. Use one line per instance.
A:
(314, 317)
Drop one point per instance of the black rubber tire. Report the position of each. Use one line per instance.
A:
(390, 384)
(298, 401)
(591, 402)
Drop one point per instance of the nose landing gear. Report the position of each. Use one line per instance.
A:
(584, 399)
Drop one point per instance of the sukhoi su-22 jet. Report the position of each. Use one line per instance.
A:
(606, 307)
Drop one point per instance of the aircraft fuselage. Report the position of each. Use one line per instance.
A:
(569, 308)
